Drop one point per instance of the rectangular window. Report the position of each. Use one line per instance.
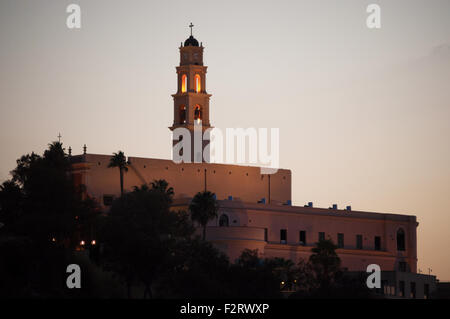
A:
(377, 243)
(340, 240)
(359, 242)
(302, 237)
(265, 234)
(108, 200)
(401, 288)
(413, 290)
(321, 235)
(283, 236)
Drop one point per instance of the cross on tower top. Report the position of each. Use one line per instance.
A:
(59, 137)
(191, 26)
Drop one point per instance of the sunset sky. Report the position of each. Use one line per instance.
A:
(364, 114)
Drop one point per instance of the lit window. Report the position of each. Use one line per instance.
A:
(183, 83)
(198, 85)
(198, 113)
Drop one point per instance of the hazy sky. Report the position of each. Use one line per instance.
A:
(364, 115)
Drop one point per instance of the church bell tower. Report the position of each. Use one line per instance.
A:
(191, 101)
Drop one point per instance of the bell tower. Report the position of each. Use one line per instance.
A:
(191, 101)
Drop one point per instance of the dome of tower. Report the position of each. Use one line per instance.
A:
(191, 41)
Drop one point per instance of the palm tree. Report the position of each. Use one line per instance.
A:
(203, 208)
(162, 186)
(325, 263)
(118, 160)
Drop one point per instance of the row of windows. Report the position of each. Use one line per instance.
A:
(340, 239)
(197, 80)
(390, 290)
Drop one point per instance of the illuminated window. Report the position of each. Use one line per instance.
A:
(182, 114)
(183, 83)
(198, 113)
(198, 85)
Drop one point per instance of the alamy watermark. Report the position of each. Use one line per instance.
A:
(374, 279)
(234, 146)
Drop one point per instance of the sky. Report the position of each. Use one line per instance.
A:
(364, 114)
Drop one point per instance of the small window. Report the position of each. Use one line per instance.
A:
(426, 291)
(377, 243)
(359, 242)
(198, 84)
(321, 236)
(183, 83)
(223, 220)
(182, 114)
(283, 236)
(340, 240)
(198, 113)
(413, 290)
(108, 200)
(401, 288)
(266, 237)
(302, 238)
(385, 289)
(401, 240)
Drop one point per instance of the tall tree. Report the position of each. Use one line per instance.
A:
(203, 208)
(39, 207)
(325, 264)
(138, 235)
(118, 160)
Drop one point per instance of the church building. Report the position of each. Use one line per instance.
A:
(256, 210)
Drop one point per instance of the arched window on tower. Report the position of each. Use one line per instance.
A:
(183, 83)
(223, 220)
(198, 83)
(182, 114)
(401, 239)
(198, 113)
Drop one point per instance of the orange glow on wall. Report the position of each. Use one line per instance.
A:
(198, 113)
(183, 83)
(198, 85)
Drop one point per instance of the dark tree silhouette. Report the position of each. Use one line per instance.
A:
(162, 186)
(38, 208)
(325, 264)
(138, 235)
(118, 160)
(203, 208)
